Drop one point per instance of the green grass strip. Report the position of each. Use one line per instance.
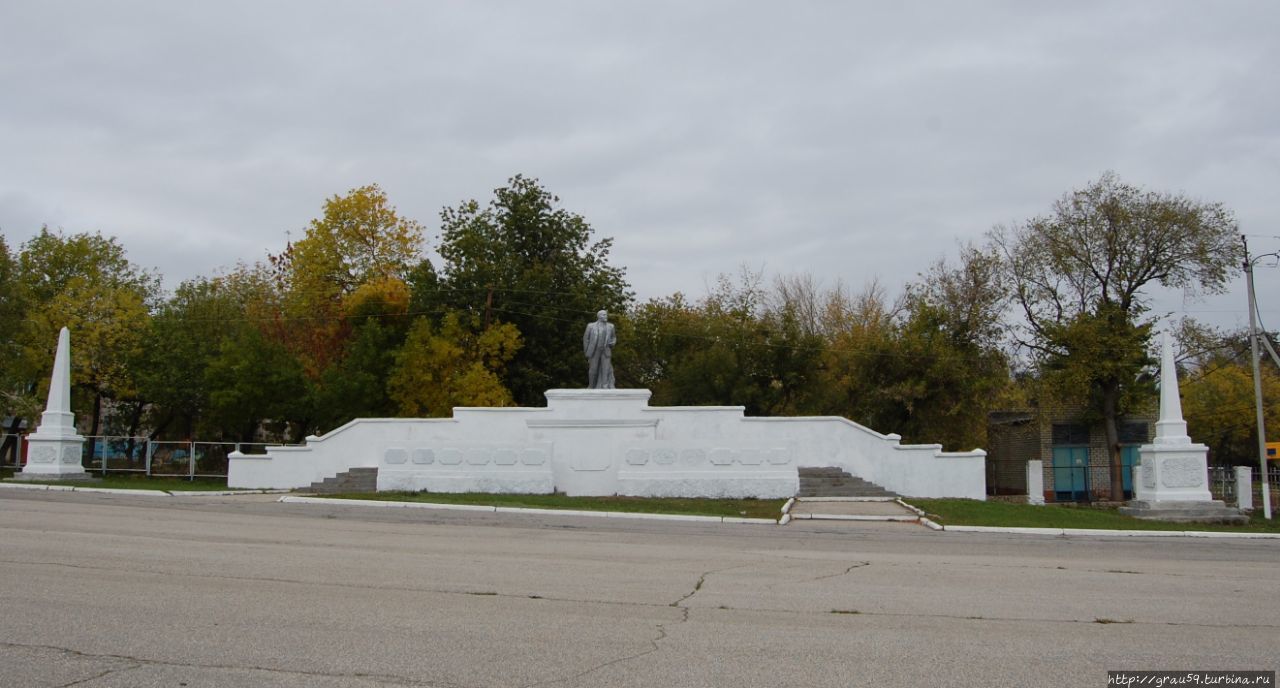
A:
(969, 512)
(746, 508)
(141, 482)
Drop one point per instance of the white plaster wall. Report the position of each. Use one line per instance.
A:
(601, 442)
(919, 470)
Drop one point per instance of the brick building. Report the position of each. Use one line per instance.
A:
(1077, 465)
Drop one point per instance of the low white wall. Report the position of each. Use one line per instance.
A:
(603, 442)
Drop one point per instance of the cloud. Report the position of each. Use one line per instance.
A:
(847, 140)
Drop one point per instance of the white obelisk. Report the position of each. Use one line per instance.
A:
(1172, 480)
(54, 449)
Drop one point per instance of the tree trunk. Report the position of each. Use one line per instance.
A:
(134, 421)
(97, 414)
(1110, 402)
(161, 426)
(298, 433)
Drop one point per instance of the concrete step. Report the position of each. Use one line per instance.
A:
(829, 481)
(354, 480)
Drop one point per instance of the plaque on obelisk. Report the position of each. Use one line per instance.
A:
(54, 449)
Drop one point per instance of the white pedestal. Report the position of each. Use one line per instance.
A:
(1035, 482)
(1172, 484)
(53, 458)
(1173, 473)
(1244, 488)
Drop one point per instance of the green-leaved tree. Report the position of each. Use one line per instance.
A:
(1080, 277)
(524, 260)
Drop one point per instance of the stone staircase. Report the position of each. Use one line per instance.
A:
(835, 482)
(354, 480)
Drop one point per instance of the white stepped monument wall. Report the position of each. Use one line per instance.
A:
(610, 441)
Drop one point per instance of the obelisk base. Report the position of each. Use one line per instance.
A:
(53, 458)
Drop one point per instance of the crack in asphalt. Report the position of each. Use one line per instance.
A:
(855, 565)
(653, 647)
(702, 579)
(653, 643)
(138, 662)
(622, 603)
(325, 584)
(95, 677)
(696, 587)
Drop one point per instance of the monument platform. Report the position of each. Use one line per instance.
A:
(76, 476)
(1207, 511)
(610, 441)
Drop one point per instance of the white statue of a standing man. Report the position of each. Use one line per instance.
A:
(597, 344)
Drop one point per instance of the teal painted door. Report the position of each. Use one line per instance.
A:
(1071, 473)
(1128, 457)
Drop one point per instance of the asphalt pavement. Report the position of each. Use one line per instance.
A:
(118, 590)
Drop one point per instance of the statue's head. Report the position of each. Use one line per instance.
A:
(602, 316)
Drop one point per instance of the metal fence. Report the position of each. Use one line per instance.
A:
(1222, 483)
(10, 450)
(105, 454)
(1082, 482)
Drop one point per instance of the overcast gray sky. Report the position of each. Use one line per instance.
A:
(849, 140)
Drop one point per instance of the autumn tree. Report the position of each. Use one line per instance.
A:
(344, 298)
(906, 367)
(252, 378)
(524, 260)
(359, 240)
(355, 386)
(454, 364)
(949, 341)
(188, 333)
(85, 282)
(859, 333)
(12, 313)
(1216, 384)
(735, 346)
(1080, 276)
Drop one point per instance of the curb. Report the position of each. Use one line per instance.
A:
(139, 492)
(221, 493)
(1064, 532)
(918, 512)
(1112, 533)
(70, 488)
(288, 499)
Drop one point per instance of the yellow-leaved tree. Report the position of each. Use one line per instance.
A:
(1218, 403)
(360, 240)
(86, 283)
(452, 365)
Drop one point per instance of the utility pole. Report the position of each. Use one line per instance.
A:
(1257, 383)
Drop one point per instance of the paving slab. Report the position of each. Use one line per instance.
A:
(818, 508)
